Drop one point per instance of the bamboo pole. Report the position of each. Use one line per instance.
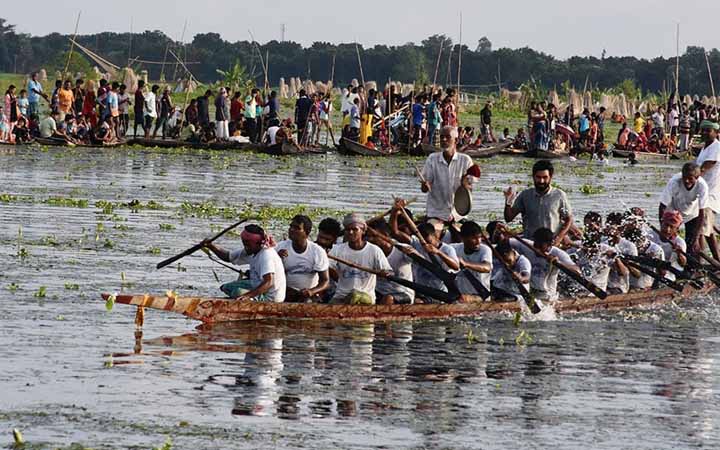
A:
(362, 76)
(677, 61)
(257, 48)
(712, 85)
(459, 60)
(437, 64)
(182, 40)
(72, 46)
(332, 70)
(162, 69)
(130, 42)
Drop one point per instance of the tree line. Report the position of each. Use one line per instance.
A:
(482, 68)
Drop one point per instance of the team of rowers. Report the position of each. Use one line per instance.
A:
(444, 257)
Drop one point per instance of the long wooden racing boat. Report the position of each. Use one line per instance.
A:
(217, 310)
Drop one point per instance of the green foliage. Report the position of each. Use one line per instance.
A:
(78, 64)
(628, 87)
(236, 78)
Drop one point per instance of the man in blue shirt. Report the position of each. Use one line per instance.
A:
(35, 91)
(418, 117)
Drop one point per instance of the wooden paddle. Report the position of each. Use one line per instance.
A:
(424, 290)
(197, 247)
(422, 178)
(382, 216)
(653, 274)
(446, 277)
(584, 282)
(660, 264)
(529, 299)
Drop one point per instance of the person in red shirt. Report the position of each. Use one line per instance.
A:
(237, 107)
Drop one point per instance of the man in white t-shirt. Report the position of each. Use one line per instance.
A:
(267, 274)
(306, 263)
(473, 257)
(710, 171)
(389, 292)
(658, 119)
(355, 286)
(687, 193)
(673, 246)
(543, 279)
(504, 287)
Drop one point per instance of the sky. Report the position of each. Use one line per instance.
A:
(562, 28)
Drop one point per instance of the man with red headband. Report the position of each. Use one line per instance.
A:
(267, 274)
(672, 245)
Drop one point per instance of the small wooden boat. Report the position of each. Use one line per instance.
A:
(545, 154)
(648, 156)
(355, 148)
(165, 143)
(57, 142)
(288, 149)
(217, 310)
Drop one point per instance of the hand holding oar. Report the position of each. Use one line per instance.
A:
(685, 254)
(389, 211)
(424, 290)
(659, 264)
(529, 299)
(426, 187)
(584, 282)
(446, 277)
(197, 247)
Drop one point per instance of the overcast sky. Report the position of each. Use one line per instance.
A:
(644, 28)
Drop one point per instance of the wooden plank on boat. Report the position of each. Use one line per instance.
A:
(216, 310)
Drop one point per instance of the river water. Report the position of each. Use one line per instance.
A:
(73, 372)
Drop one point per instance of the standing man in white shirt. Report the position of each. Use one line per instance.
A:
(687, 193)
(150, 109)
(306, 263)
(443, 174)
(710, 171)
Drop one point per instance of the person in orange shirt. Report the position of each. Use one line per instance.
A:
(66, 99)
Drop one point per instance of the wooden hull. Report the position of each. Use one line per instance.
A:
(356, 148)
(473, 152)
(647, 156)
(62, 143)
(216, 310)
(544, 154)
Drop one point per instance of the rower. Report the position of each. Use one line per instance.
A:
(710, 171)
(503, 286)
(592, 256)
(444, 172)
(634, 232)
(354, 286)
(329, 232)
(306, 263)
(444, 253)
(687, 193)
(619, 281)
(543, 279)
(542, 206)
(392, 293)
(673, 246)
(473, 256)
(267, 274)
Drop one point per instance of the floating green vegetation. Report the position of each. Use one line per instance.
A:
(13, 287)
(589, 189)
(67, 202)
(72, 286)
(133, 205)
(108, 244)
(154, 250)
(167, 227)
(41, 292)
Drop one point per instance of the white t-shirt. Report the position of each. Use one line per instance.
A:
(301, 269)
(482, 255)
(262, 263)
(543, 279)
(424, 276)
(150, 108)
(123, 103)
(401, 265)
(674, 118)
(595, 267)
(350, 279)
(47, 127)
(646, 281)
(501, 278)
(676, 197)
(712, 176)
(617, 281)
(670, 254)
(658, 120)
(272, 132)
